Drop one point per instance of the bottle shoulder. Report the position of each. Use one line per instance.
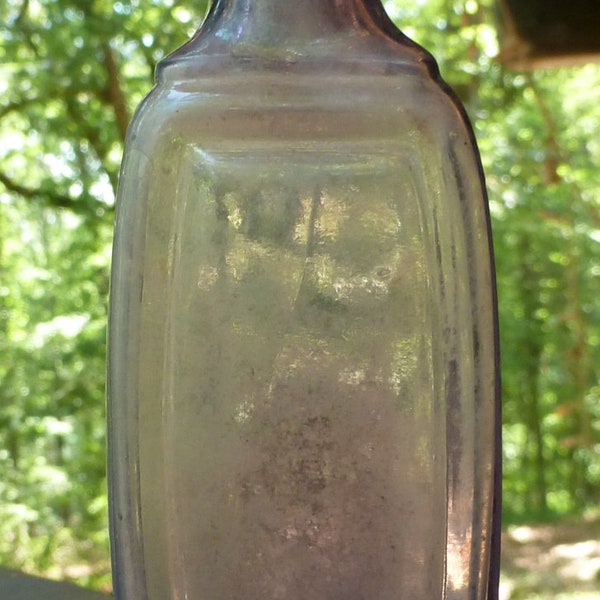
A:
(264, 102)
(339, 60)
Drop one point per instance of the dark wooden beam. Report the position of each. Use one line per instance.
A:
(549, 33)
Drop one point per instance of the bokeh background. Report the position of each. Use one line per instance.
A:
(71, 75)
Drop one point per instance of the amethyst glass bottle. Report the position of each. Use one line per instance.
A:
(303, 387)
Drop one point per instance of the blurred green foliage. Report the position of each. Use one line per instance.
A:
(71, 74)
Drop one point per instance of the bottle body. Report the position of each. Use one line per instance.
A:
(302, 354)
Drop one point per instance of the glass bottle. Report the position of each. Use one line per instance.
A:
(302, 347)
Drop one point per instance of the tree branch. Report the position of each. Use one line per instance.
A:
(16, 106)
(22, 12)
(556, 154)
(114, 92)
(53, 199)
(24, 26)
(90, 134)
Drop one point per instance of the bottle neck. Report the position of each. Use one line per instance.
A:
(289, 20)
(290, 29)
